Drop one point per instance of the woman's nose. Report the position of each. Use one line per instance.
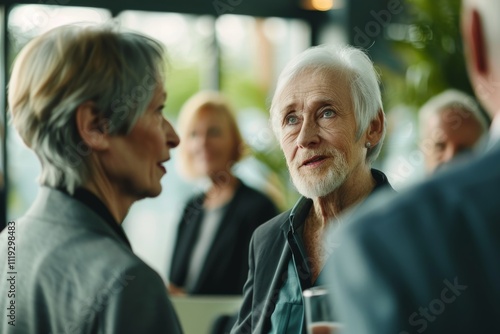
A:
(172, 137)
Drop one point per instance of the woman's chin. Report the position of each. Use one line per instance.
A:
(157, 191)
(152, 192)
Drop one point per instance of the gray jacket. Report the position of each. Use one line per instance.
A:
(67, 271)
(427, 260)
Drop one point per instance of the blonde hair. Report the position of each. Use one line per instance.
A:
(58, 71)
(215, 102)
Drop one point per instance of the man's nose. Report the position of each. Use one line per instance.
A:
(450, 152)
(308, 135)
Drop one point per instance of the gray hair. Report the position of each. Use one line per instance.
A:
(451, 99)
(365, 90)
(58, 71)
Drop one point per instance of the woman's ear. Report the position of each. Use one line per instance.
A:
(376, 129)
(91, 127)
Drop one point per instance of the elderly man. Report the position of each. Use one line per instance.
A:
(451, 127)
(428, 262)
(327, 115)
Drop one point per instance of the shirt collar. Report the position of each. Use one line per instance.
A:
(299, 212)
(95, 204)
(381, 181)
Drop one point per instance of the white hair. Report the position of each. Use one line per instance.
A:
(365, 90)
(451, 99)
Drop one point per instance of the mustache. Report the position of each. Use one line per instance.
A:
(333, 152)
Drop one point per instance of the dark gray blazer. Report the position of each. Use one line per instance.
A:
(74, 274)
(268, 260)
(427, 261)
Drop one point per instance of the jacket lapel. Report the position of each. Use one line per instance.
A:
(278, 265)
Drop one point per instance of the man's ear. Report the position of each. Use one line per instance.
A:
(91, 127)
(376, 128)
(477, 44)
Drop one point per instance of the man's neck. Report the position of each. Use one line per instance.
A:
(326, 211)
(354, 190)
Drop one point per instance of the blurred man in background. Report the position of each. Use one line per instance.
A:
(451, 128)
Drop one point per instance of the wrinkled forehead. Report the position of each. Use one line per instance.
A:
(314, 84)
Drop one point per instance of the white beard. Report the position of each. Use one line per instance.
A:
(312, 186)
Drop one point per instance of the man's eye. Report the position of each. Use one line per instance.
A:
(290, 120)
(328, 113)
(439, 147)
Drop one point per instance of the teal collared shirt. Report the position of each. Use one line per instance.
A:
(288, 315)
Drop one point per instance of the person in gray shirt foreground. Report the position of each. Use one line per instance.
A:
(428, 260)
(88, 101)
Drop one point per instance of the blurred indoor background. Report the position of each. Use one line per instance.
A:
(239, 47)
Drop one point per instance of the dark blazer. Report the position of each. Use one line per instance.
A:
(427, 261)
(268, 259)
(226, 266)
(74, 274)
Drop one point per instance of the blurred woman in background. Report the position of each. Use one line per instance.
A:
(211, 250)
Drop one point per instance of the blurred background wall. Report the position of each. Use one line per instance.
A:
(239, 47)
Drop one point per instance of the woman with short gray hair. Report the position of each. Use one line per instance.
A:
(88, 101)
